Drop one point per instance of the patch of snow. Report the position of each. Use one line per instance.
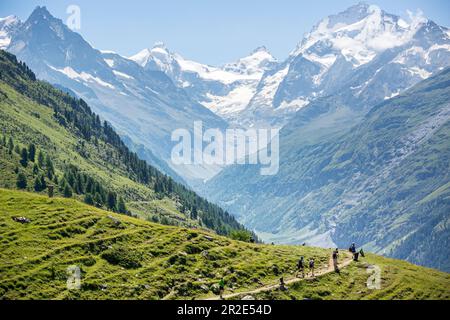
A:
(421, 72)
(123, 75)
(436, 47)
(185, 84)
(271, 84)
(83, 76)
(294, 105)
(234, 102)
(153, 91)
(107, 52)
(403, 24)
(394, 94)
(5, 40)
(109, 62)
(326, 60)
(213, 73)
(413, 51)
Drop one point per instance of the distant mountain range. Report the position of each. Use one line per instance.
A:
(224, 90)
(378, 54)
(364, 145)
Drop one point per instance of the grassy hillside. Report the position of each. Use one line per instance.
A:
(122, 257)
(126, 258)
(88, 160)
(400, 280)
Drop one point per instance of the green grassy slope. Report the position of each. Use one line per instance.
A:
(400, 280)
(122, 257)
(66, 130)
(126, 258)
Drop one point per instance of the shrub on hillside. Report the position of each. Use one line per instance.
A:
(124, 257)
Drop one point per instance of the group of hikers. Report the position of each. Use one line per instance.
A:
(355, 254)
(301, 265)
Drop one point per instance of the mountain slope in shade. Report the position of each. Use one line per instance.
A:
(384, 183)
(143, 106)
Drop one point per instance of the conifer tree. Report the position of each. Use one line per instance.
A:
(21, 182)
(31, 152)
(24, 157)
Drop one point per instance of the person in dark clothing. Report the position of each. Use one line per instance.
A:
(354, 253)
(335, 256)
(301, 267)
(282, 285)
(311, 266)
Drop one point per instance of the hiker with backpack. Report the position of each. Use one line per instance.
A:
(352, 248)
(355, 254)
(311, 266)
(335, 256)
(283, 285)
(301, 267)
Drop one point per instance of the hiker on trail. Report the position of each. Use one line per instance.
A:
(335, 260)
(355, 254)
(221, 288)
(301, 267)
(282, 285)
(311, 266)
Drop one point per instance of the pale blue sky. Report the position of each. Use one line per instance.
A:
(209, 31)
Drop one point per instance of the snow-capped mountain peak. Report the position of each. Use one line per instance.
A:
(360, 32)
(256, 63)
(159, 51)
(157, 58)
(9, 20)
(142, 57)
(7, 27)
